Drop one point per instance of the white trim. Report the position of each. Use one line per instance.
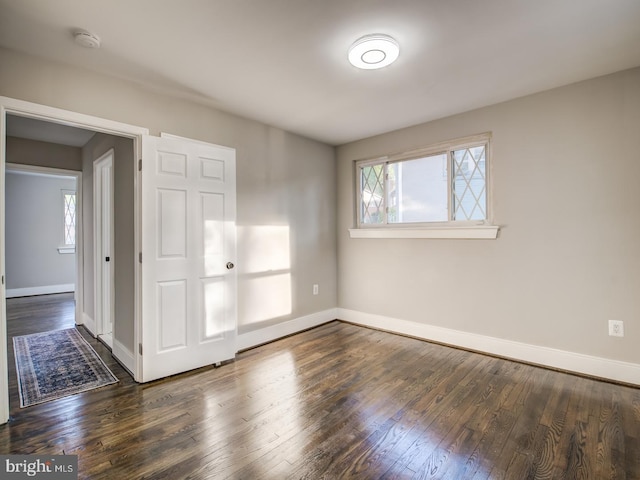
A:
(124, 356)
(433, 149)
(66, 250)
(442, 148)
(75, 119)
(550, 357)
(67, 117)
(274, 332)
(42, 290)
(66, 246)
(24, 169)
(481, 232)
(89, 323)
(107, 339)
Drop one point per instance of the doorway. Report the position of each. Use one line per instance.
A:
(53, 117)
(188, 217)
(47, 201)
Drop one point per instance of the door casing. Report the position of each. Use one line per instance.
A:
(56, 115)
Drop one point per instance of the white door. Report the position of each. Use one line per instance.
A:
(104, 245)
(188, 250)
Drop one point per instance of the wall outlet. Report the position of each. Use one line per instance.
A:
(616, 328)
(316, 289)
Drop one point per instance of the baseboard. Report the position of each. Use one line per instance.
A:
(43, 290)
(89, 323)
(273, 332)
(124, 356)
(558, 359)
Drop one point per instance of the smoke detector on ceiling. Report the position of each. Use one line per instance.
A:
(86, 39)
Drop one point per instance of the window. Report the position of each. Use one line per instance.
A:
(442, 186)
(69, 218)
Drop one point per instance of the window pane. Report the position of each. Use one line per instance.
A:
(418, 190)
(468, 186)
(69, 219)
(372, 194)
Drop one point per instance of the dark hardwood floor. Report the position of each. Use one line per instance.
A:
(337, 401)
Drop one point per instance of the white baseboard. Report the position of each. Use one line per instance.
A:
(89, 323)
(43, 290)
(123, 355)
(268, 334)
(550, 357)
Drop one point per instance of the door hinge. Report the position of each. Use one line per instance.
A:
(2, 279)
(140, 348)
(140, 165)
(140, 257)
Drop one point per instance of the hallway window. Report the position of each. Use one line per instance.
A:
(69, 208)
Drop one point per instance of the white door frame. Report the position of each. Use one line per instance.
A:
(98, 246)
(56, 115)
(59, 172)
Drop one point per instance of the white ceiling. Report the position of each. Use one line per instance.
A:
(284, 62)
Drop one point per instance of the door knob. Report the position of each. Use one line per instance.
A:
(230, 265)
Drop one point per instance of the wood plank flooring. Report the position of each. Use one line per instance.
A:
(337, 401)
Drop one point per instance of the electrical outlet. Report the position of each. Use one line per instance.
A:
(616, 328)
(315, 289)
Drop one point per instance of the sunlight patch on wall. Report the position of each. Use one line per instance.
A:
(266, 273)
(268, 297)
(269, 248)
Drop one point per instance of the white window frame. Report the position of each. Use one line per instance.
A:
(474, 229)
(64, 246)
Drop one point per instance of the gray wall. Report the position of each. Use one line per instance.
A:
(34, 231)
(43, 154)
(566, 166)
(123, 177)
(283, 179)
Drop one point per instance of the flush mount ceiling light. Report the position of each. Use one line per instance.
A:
(374, 51)
(86, 39)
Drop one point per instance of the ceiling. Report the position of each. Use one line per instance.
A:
(284, 62)
(32, 129)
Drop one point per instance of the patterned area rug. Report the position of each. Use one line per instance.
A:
(57, 364)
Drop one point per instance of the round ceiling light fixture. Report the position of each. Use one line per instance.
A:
(374, 51)
(86, 39)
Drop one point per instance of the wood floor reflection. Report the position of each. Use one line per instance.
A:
(337, 401)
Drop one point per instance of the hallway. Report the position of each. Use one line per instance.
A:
(43, 313)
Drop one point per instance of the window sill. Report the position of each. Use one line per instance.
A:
(479, 232)
(66, 250)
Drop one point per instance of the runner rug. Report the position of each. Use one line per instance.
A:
(57, 364)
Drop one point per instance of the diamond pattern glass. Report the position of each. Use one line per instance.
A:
(468, 184)
(372, 194)
(69, 219)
